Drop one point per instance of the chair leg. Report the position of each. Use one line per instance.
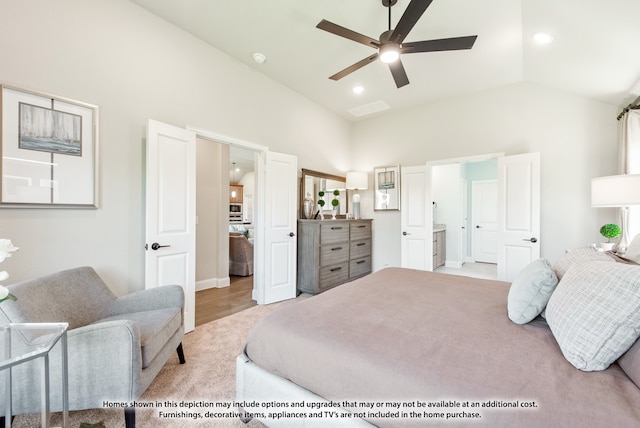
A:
(130, 417)
(180, 353)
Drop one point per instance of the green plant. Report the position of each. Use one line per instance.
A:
(335, 202)
(610, 231)
(321, 201)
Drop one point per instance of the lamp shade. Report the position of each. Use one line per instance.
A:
(615, 191)
(357, 180)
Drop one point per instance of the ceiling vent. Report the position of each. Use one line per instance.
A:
(370, 108)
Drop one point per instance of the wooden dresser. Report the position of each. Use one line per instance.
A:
(332, 252)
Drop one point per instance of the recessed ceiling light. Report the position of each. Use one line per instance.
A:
(358, 89)
(259, 58)
(543, 38)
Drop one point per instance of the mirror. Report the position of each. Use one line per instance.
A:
(313, 182)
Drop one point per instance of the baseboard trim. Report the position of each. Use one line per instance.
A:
(452, 264)
(205, 284)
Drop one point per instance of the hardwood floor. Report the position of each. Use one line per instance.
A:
(215, 303)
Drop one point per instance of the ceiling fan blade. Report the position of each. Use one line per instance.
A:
(347, 34)
(398, 73)
(358, 65)
(451, 44)
(408, 20)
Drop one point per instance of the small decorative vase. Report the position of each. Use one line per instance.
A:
(334, 212)
(320, 211)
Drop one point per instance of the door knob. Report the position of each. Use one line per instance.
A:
(534, 240)
(405, 233)
(291, 234)
(155, 246)
(478, 226)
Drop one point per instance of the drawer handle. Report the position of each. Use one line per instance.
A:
(360, 244)
(335, 269)
(360, 226)
(360, 262)
(336, 228)
(336, 248)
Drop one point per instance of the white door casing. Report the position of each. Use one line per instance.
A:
(464, 221)
(518, 213)
(170, 211)
(416, 216)
(484, 215)
(280, 240)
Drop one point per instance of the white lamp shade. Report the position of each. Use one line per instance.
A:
(615, 190)
(357, 180)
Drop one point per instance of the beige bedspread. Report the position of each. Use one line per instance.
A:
(414, 336)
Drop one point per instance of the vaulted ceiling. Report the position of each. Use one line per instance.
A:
(594, 52)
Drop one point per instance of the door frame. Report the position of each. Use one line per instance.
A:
(463, 159)
(257, 293)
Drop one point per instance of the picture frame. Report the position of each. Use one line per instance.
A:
(49, 151)
(386, 181)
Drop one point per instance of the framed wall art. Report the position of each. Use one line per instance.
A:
(387, 188)
(49, 151)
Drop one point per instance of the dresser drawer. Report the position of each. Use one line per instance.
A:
(359, 230)
(333, 275)
(334, 253)
(333, 232)
(360, 249)
(359, 267)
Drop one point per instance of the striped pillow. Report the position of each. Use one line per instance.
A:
(594, 313)
(587, 253)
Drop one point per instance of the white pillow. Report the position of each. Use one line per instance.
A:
(530, 291)
(633, 251)
(594, 313)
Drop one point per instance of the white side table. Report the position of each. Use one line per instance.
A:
(22, 342)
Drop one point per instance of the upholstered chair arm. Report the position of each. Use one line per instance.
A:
(107, 354)
(167, 296)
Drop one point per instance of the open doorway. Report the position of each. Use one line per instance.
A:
(225, 183)
(465, 207)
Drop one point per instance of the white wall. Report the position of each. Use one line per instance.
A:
(575, 136)
(212, 211)
(135, 66)
(447, 193)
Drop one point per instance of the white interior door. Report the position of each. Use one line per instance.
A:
(280, 243)
(416, 218)
(170, 211)
(484, 215)
(518, 213)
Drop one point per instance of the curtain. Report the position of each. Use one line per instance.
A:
(629, 162)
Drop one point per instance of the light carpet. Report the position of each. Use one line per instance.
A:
(208, 376)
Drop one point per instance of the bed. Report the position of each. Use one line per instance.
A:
(403, 347)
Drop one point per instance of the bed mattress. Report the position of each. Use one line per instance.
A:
(415, 337)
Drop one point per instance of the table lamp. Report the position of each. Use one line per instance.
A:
(357, 181)
(617, 191)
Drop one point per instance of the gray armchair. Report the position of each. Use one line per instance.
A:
(116, 346)
(240, 255)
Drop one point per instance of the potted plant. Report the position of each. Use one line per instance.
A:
(321, 203)
(335, 202)
(609, 231)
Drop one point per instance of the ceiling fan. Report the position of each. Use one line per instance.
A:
(390, 46)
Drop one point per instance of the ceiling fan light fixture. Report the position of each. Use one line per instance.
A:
(389, 53)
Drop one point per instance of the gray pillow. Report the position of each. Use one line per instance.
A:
(587, 253)
(594, 313)
(530, 291)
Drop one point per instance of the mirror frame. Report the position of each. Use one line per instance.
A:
(309, 172)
